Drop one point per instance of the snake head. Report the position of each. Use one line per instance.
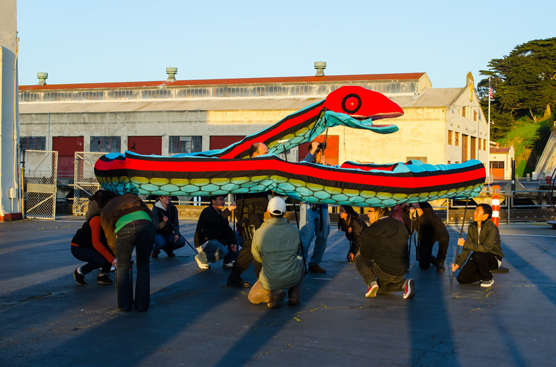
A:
(362, 104)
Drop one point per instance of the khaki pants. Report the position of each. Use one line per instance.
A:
(258, 294)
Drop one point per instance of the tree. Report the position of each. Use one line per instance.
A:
(524, 82)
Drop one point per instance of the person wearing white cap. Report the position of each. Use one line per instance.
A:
(276, 245)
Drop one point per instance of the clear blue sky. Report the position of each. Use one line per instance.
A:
(121, 41)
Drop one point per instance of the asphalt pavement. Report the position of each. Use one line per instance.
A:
(196, 320)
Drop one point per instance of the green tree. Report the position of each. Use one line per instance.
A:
(524, 82)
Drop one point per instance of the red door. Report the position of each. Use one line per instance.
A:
(332, 149)
(145, 144)
(222, 141)
(66, 146)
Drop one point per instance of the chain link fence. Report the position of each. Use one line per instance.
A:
(85, 181)
(40, 180)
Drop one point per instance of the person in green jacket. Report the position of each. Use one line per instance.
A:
(276, 245)
(483, 238)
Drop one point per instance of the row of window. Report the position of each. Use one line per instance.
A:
(111, 144)
(391, 87)
(455, 137)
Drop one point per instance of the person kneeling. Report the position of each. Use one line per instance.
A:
(276, 245)
(483, 238)
(383, 259)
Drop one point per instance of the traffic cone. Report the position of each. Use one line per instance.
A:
(496, 204)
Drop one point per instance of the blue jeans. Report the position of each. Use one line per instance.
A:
(215, 251)
(311, 226)
(92, 257)
(166, 242)
(138, 234)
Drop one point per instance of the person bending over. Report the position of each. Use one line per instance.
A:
(483, 243)
(276, 245)
(383, 258)
(351, 223)
(167, 225)
(127, 223)
(214, 239)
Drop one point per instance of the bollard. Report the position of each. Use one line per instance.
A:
(496, 204)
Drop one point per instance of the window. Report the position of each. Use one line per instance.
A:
(185, 144)
(463, 111)
(450, 137)
(497, 164)
(32, 143)
(484, 144)
(105, 144)
(457, 139)
(475, 115)
(422, 159)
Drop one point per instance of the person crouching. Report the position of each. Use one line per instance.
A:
(383, 258)
(276, 245)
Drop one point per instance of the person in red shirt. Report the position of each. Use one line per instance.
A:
(89, 244)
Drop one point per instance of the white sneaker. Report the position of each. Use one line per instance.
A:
(487, 283)
(201, 265)
(373, 290)
(409, 289)
(228, 265)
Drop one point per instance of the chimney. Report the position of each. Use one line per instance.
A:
(320, 66)
(42, 78)
(171, 71)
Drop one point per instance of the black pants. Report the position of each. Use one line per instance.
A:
(477, 268)
(244, 258)
(425, 250)
(93, 259)
(370, 272)
(138, 234)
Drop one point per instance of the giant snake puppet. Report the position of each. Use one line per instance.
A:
(231, 171)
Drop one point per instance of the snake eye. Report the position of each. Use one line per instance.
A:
(351, 103)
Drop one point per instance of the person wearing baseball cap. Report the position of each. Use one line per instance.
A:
(276, 245)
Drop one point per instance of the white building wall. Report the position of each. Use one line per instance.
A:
(9, 139)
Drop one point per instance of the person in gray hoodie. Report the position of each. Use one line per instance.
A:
(167, 225)
(383, 258)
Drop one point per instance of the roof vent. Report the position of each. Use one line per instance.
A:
(42, 78)
(320, 66)
(171, 71)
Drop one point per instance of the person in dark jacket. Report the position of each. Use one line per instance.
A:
(214, 239)
(250, 215)
(167, 225)
(430, 229)
(383, 258)
(351, 223)
(127, 223)
(483, 238)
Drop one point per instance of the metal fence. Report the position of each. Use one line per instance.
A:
(85, 181)
(40, 180)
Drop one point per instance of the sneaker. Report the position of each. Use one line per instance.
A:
(228, 265)
(409, 289)
(104, 279)
(171, 254)
(373, 290)
(201, 265)
(79, 278)
(293, 301)
(487, 283)
(276, 301)
(155, 254)
(315, 268)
